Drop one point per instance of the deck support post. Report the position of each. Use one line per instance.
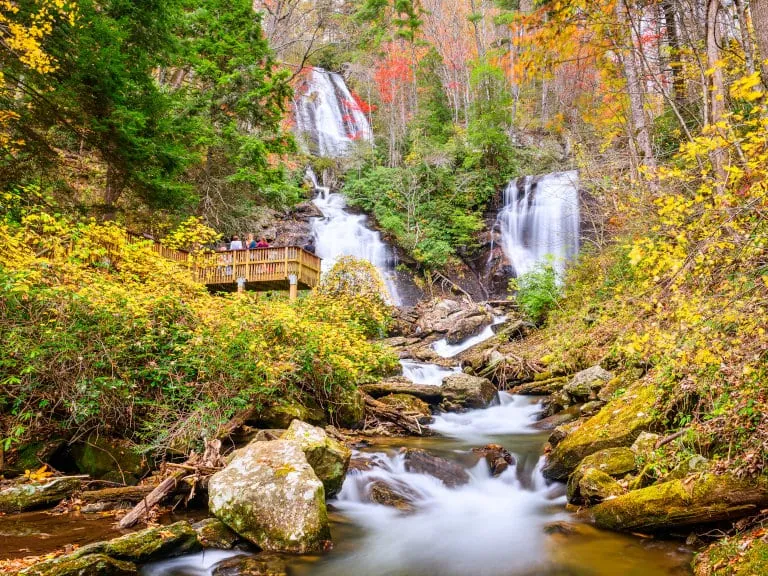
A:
(293, 287)
(240, 285)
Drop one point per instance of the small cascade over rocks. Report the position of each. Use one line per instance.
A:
(540, 219)
(340, 233)
(329, 119)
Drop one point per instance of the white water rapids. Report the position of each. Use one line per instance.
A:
(540, 220)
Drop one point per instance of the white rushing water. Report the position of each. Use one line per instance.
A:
(340, 233)
(328, 117)
(450, 350)
(512, 415)
(200, 564)
(540, 220)
(423, 373)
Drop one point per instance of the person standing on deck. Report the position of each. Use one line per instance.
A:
(262, 243)
(236, 243)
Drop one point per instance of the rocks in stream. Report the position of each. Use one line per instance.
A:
(467, 324)
(213, 533)
(329, 458)
(270, 495)
(422, 462)
(398, 385)
(462, 391)
(496, 456)
(400, 497)
(23, 496)
(91, 565)
(264, 564)
(409, 405)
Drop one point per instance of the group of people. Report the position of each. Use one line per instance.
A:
(250, 243)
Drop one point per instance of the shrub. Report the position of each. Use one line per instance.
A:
(537, 291)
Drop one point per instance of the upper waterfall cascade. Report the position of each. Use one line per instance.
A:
(328, 116)
(540, 219)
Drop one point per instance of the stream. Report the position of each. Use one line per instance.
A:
(512, 525)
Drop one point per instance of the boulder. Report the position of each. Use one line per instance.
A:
(329, 458)
(496, 456)
(91, 565)
(462, 391)
(696, 500)
(591, 408)
(586, 384)
(541, 387)
(350, 412)
(595, 486)
(427, 393)
(383, 493)
(31, 495)
(613, 462)
(562, 431)
(552, 422)
(110, 459)
(31, 456)
(645, 444)
(409, 405)
(281, 415)
(692, 465)
(618, 424)
(448, 472)
(467, 325)
(271, 496)
(213, 533)
(264, 564)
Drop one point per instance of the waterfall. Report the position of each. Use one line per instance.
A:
(340, 233)
(540, 219)
(328, 117)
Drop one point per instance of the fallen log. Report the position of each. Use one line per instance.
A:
(122, 494)
(426, 392)
(383, 412)
(161, 491)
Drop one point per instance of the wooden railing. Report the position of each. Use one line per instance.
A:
(268, 266)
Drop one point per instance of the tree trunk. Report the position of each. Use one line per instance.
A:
(716, 87)
(640, 130)
(675, 64)
(759, 10)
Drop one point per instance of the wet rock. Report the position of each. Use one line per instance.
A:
(513, 330)
(596, 486)
(350, 413)
(497, 457)
(382, 493)
(557, 402)
(586, 384)
(92, 565)
(618, 424)
(422, 462)
(427, 393)
(213, 533)
(31, 495)
(562, 431)
(409, 405)
(263, 564)
(329, 458)
(467, 325)
(552, 422)
(699, 499)
(563, 528)
(271, 496)
(32, 455)
(591, 408)
(462, 391)
(281, 415)
(613, 462)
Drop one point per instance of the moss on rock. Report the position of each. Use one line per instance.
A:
(700, 499)
(617, 424)
(410, 404)
(595, 486)
(743, 556)
(109, 459)
(613, 462)
(32, 495)
(91, 565)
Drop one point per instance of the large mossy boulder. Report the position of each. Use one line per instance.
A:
(696, 500)
(32, 495)
(595, 486)
(618, 424)
(271, 496)
(409, 405)
(263, 564)
(329, 458)
(462, 392)
(282, 414)
(110, 459)
(612, 462)
(350, 412)
(91, 565)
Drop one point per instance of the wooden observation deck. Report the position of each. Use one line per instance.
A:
(260, 269)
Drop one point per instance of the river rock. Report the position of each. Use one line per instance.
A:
(552, 422)
(698, 499)
(383, 493)
(281, 415)
(595, 486)
(264, 564)
(91, 565)
(271, 496)
(350, 412)
(586, 384)
(617, 424)
(31, 495)
(409, 405)
(612, 462)
(213, 533)
(111, 459)
(462, 391)
(427, 393)
(497, 457)
(422, 462)
(467, 325)
(329, 458)
(562, 431)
